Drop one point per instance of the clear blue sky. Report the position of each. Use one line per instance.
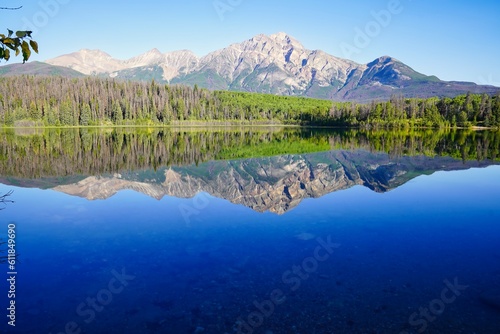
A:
(455, 40)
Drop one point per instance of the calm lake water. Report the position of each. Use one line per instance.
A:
(251, 231)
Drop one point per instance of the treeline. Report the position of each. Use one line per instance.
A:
(57, 101)
(461, 111)
(45, 153)
(58, 152)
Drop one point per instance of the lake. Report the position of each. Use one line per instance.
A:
(250, 230)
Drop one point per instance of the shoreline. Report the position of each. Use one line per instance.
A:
(246, 125)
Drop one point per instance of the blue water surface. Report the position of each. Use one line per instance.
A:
(135, 264)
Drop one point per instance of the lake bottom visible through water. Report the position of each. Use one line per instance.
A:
(420, 258)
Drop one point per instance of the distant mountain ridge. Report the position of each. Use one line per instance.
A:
(275, 184)
(276, 64)
(38, 68)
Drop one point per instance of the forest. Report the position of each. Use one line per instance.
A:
(64, 153)
(56, 101)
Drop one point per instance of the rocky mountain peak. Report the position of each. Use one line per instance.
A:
(275, 184)
(276, 43)
(87, 61)
(286, 41)
(92, 53)
(152, 54)
(154, 51)
(381, 61)
(151, 57)
(275, 64)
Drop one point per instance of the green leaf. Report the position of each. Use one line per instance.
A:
(6, 55)
(9, 41)
(1, 53)
(34, 45)
(17, 52)
(10, 32)
(10, 46)
(26, 51)
(21, 34)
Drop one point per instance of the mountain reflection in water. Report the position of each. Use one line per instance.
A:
(253, 167)
(275, 184)
(190, 262)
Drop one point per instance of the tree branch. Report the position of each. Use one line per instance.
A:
(11, 8)
(5, 198)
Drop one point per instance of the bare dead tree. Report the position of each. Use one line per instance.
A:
(11, 8)
(4, 199)
(3, 258)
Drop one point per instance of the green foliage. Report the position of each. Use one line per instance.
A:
(463, 111)
(56, 152)
(85, 115)
(20, 43)
(96, 101)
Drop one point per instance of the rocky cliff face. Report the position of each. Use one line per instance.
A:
(88, 62)
(275, 184)
(94, 62)
(277, 64)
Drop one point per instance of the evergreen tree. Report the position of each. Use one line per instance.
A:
(85, 115)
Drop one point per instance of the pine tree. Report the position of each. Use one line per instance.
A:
(85, 115)
(117, 114)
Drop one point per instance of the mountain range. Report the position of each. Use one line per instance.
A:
(275, 184)
(276, 64)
